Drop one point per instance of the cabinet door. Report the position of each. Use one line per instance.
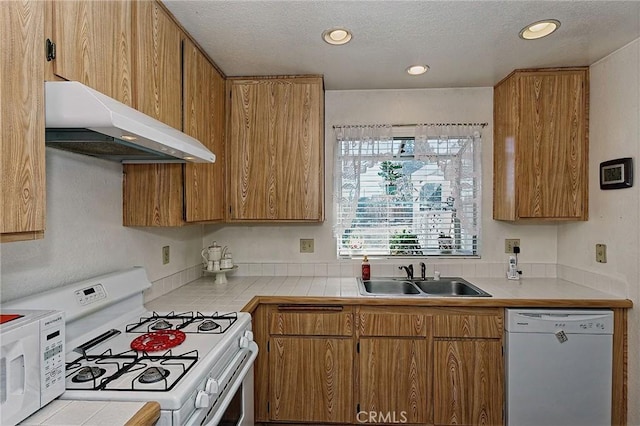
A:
(311, 379)
(94, 44)
(152, 193)
(22, 161)
(277, 150)
(204, 120)
(468, 382)
(158, 64)
(393, 377)
(552, 145)
(505, 118)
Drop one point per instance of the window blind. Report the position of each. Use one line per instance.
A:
(408, 196)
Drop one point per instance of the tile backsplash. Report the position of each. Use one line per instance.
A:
(351, 268)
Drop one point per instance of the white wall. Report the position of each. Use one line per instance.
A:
(280, 244)
(85, 236)
(614, 131)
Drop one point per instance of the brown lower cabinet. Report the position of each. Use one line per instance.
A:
(467, 384)
(336, 364)
(468, 366)
(311, 379)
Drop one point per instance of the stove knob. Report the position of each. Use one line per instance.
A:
(212, 386)
(249, 335)
(202, 399)
(244, 342)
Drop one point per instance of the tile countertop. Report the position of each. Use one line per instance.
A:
(203, 295)
(94, 413)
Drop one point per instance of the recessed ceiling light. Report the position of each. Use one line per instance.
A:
(417, 69)
(337, 36)
(539, 29)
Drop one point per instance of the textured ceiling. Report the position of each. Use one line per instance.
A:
(466, 43)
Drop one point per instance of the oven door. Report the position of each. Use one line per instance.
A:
(233, 405)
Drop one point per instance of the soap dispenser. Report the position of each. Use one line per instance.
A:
(366, 269)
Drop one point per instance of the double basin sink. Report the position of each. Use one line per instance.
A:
(442, 287)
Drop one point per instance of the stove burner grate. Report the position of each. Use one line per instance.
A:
(139, 363)
(183, 321)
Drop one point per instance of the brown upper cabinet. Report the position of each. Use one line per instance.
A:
(177, 85)
(94, 45)
(22, 158)
(204, 119)
(153, 193)
(276, 149)
(540, 163)
(158, 64)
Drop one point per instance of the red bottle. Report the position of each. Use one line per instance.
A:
(366, 269)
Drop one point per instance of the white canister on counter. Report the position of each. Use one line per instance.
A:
(227, 261)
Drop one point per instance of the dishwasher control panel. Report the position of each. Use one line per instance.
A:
(584, 321)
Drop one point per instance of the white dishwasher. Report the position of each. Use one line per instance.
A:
(558, 367)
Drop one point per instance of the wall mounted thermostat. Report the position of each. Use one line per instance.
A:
(616, 174)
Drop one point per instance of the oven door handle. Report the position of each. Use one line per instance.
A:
(229, 386)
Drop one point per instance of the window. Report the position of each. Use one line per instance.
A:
(399, 195)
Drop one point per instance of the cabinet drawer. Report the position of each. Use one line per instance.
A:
(392, 322)
(469, 323)
(321, 321)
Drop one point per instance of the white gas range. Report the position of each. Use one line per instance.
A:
(198, 366)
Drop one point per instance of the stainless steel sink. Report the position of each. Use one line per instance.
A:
(443, 287)
(389, 287)
(450, 287)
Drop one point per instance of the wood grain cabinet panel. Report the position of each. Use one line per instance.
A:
(468, 382)
(22, 161)
(391, 322)
(311, 323)
(393, 378)
(469, 322)
(276, 149)
(311, 379)
(158, 87)
(153, 194)
(94, 45)
(204, 119)
(186, 92)
(541, 145)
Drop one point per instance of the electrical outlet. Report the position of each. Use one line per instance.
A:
(165, 255)
(509, 244)
(601, 253)
(306, 245)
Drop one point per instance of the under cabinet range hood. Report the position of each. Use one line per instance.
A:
(82, 120)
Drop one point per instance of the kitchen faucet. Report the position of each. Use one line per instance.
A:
(408, 270)
(423, 271)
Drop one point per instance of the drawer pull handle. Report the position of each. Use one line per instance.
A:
(314, 308)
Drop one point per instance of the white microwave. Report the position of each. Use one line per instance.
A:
(32, 350)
